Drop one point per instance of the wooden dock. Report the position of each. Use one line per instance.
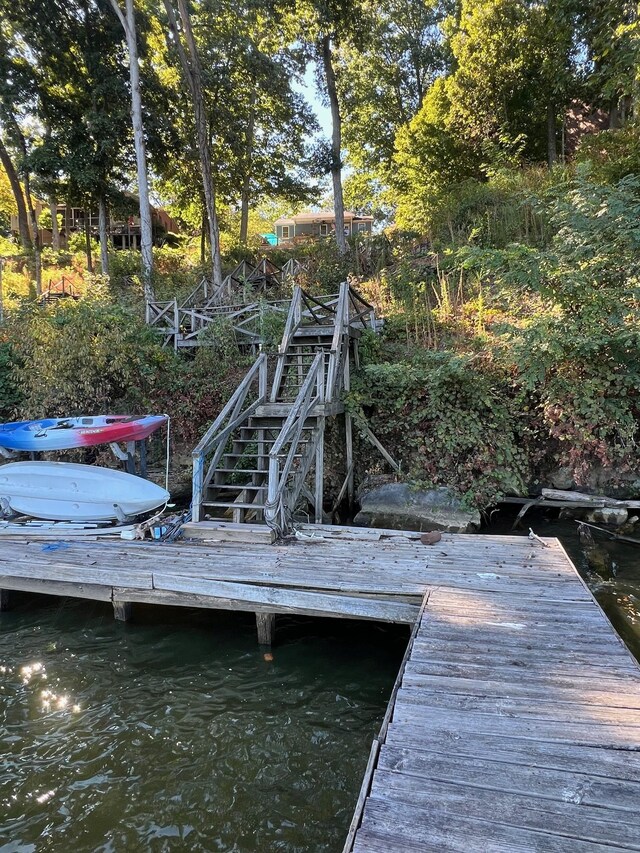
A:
(514, 724)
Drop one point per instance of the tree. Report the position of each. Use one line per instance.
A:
(326, 26)
(16, 91)
(256, 130)
(18, 197)
(514, 70)
(383, 84)
(191, 67)
(128, 23)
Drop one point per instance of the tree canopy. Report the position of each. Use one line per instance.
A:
(425, 96)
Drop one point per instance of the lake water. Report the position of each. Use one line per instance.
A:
(173, 733)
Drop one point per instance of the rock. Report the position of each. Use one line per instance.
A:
(431, 538)
(600, 561)
(598, 480)
(400, 507)
(562, 478)
(607, 515)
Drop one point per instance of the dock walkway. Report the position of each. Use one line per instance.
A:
(514, 724)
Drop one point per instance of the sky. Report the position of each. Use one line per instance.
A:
(308, 88)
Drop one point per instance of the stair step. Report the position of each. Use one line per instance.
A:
(232, 505)
(240, 471)
(265, 441)
(238, 487)
(314, 331)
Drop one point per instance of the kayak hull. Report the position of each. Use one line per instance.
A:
(69, 433)
(66, 491)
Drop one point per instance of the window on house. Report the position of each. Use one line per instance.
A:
(324, 229)
(285, 232)
(362, 226)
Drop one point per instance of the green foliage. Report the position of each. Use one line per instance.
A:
(10, 394)
(272, 325)
(90, 355)
(539, 342)
(612, 154)
(218, 350)
(448, 422)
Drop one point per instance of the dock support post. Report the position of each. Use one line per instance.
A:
(266, 625)
(122, 610)
(5, 600)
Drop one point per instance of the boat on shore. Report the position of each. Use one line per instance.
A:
(68, 433)
(68, 491)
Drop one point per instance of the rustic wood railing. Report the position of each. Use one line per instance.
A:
(285, 480)
(233, 415)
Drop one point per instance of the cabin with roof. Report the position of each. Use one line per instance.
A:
(123, 226)
(314, 226)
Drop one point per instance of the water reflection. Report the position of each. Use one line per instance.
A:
(173, 733)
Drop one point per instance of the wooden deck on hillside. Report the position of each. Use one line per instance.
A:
(515, 720)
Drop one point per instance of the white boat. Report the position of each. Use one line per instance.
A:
(67, 491)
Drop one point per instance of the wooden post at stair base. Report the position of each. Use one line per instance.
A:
(348, 430)
(348, 425)
(122, 610)
(319, 496)
(5, 600)
(266, 625)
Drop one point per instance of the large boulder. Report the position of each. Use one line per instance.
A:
(401, 507)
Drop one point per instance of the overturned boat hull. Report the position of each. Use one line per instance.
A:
(66, 491)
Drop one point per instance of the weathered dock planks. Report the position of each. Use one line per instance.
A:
(514, 724)
(515, 727)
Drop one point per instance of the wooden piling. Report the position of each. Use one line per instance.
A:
(122, 610)
(266, 625)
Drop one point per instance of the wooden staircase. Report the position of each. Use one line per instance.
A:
(255, 462)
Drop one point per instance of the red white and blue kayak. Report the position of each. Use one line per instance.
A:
(67, 433)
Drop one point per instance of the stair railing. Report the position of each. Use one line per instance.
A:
(233, 415)
(360, 309)
(340, 331)
(294, 318)
(281, 495)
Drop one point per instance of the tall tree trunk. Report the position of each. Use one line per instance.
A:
(203, 236)
(336, 144)
(192, 72)
(87, 241)
(35, 232)
(552, 144)
(127, 20)
(245, 197)
(55, 230)
(16, 189)
(103, 221)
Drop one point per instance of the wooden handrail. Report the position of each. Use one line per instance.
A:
(293, 321)
(233, 414)
(291, 432)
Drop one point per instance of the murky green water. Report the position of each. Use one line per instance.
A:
(172, 732)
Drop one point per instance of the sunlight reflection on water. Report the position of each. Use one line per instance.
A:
(173, 733)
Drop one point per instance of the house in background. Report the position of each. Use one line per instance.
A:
(314, 226)
(123, 229)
